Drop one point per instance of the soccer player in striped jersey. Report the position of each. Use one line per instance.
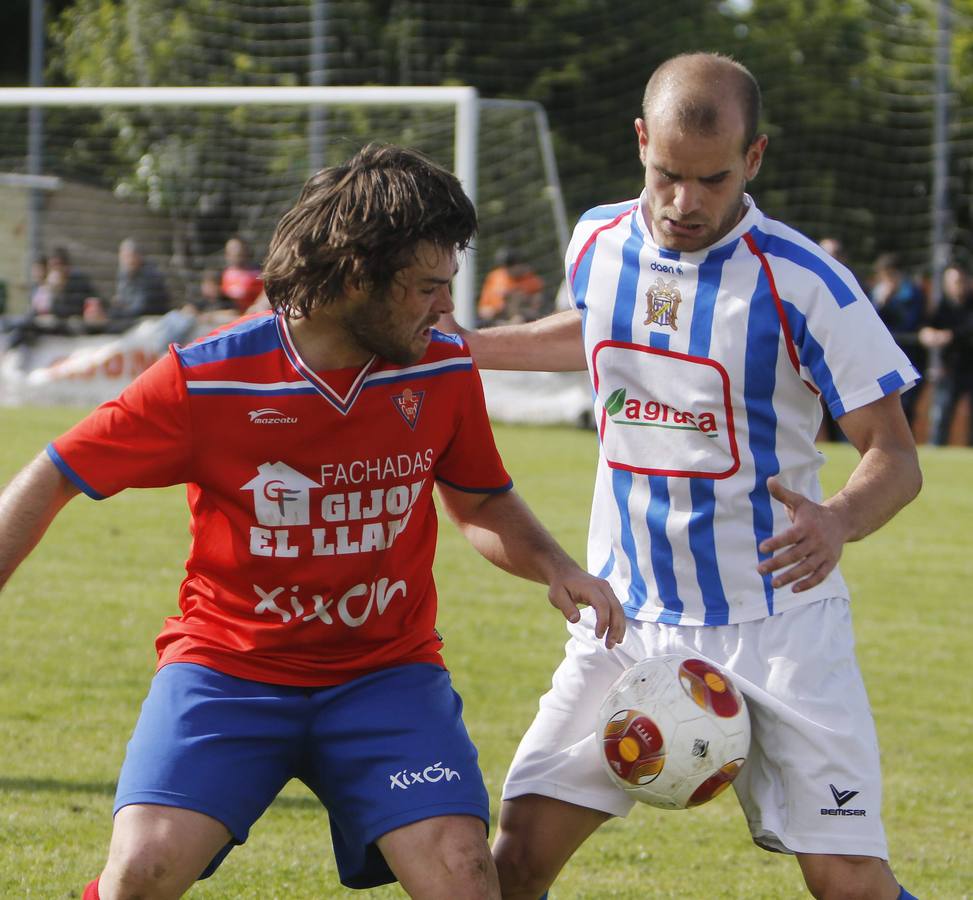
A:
(711, 334)
(310, 439)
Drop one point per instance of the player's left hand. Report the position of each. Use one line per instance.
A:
(577, 588)
(805, 553)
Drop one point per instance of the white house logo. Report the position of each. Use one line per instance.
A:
(270, 416)
(662, 302)
(280, 495)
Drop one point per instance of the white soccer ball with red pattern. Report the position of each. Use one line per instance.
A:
(674, 731)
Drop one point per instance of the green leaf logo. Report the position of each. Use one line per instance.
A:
(615, 401)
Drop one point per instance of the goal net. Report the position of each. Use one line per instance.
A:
(868, 105)
(183, 169)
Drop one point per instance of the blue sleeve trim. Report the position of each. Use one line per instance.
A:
(442, 337)
(890, 382)
(895, 380)
(71, 475)
(812, 261)
(472, 490)
(252, 337)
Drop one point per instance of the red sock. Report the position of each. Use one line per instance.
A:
(91, 891)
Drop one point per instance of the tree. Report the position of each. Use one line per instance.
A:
(847, 86)
(192, 165)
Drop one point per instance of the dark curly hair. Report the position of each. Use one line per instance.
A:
(360, 223)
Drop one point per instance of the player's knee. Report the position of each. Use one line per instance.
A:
(850, 878)
(468, 859)
(467, 862)
(149, 872)
(521, 874)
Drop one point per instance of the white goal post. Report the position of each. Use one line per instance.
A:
(463, 99)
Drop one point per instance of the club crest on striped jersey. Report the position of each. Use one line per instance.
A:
(662, 304)
(409, 405)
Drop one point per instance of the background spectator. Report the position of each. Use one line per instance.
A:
(207, 309)
(210, 297)
(950, 332)
(901, 304)
(40, 291)
(69, 287)
(830, 430)
(833, 247)
(511, 292)
(140, 289)
(19, 328)
(58, 296)
(240, 281)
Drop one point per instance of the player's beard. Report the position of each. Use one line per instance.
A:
(708, 235)
(376, 326)
(730, 220)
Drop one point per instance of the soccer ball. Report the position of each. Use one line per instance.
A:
(674, 731)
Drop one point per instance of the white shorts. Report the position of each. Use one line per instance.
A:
(811, 783)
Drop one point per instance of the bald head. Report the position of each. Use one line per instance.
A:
(694, 92)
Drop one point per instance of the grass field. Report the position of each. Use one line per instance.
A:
(76, 656)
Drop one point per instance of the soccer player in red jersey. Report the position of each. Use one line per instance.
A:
(310, 438)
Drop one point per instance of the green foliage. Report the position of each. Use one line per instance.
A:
(76, 649)
(848, 87)
(154, 42)
(190, 164)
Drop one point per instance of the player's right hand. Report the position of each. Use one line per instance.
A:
(578, 588)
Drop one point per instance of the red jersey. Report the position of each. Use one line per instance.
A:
(312, 516)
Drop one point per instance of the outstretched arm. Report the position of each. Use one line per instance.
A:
(551, 344)
(28, 505)
(504, 530)
(886, 478)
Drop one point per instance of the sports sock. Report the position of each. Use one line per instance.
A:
(91, 891)
(905, 895)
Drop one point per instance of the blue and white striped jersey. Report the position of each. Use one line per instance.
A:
(709, 369)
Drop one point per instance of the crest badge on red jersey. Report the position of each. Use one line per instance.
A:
(409, 404)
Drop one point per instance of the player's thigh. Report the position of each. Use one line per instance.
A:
(203, 735)
(812, 783)
(559, 755)
(537, 836)
(811, 690)
(160, 850)
(443, 857)
(389, 750)
(567, 713)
